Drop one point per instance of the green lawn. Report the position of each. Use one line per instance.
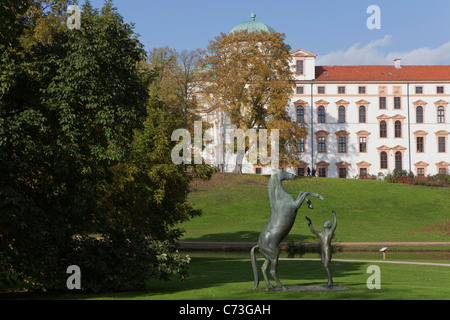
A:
(236, 208)
(215, 279)
(232, 279)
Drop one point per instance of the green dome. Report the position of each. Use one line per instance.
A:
(252, 26)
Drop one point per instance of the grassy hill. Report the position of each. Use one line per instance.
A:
(236, 208)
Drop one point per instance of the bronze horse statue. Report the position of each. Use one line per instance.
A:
(283, 211)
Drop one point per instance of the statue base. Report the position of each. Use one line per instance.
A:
(311, 288)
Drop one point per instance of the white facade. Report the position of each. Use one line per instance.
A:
(362, 120)
(353, 141)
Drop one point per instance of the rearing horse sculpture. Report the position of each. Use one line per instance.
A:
(283, 211)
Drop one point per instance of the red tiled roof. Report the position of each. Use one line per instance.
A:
(382, 73)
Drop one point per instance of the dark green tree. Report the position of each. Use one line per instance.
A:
(85, 150)
(79, 155)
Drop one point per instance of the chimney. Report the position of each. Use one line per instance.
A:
(398, 63)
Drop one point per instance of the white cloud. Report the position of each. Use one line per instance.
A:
(425, 56)
(373, 54)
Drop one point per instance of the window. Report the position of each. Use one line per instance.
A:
(322, 168)
(398, 161)
(322, 172)
(341, 139)
(420, 172)
(321, 89)
(363, 140)
(342, 145)
(397, 103)
(321, 139)
(440, 114)
(398, 129)
(362, 114)
(420, 139)
(301, 145)
(321, 145)
(300, 66)
(341, 114)
(342, 172)
(341, 89)
(383, 129)
(442, 167)
(301, 171)
(419, 90)
(300, 114)
(421, 168)
(419, 114)
(321, 114)
(361, 90)
(440, 89)
(362, 144)
(258, 170)
(383, 160)
(363, 172)
(420, 146)
(382, 102)
(299, 90)
(441, 144)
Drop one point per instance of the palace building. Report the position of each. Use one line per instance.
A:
(361, 120)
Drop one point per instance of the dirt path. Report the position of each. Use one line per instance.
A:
(379, 261)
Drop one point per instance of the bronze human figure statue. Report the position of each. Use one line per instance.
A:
(325, 243)
(283, 211)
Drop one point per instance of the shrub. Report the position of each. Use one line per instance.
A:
(405, 180)
(394, 175)
(422, 181)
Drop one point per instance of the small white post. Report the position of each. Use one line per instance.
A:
(384, 252)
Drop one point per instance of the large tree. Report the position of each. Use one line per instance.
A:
(83, 150)
(174, 85)
(67, 115)
(248, 76)
(176, 82)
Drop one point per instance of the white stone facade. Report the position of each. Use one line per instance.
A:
(362, 120)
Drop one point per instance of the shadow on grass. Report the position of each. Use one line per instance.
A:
(236, 279)
(241, 236)
(227, 236)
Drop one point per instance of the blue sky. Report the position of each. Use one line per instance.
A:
(417, 31)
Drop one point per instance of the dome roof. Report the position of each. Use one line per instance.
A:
(252, 26)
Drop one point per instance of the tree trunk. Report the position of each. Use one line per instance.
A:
(239, 160)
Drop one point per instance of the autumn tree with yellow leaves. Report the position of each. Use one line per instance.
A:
(248, 76)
